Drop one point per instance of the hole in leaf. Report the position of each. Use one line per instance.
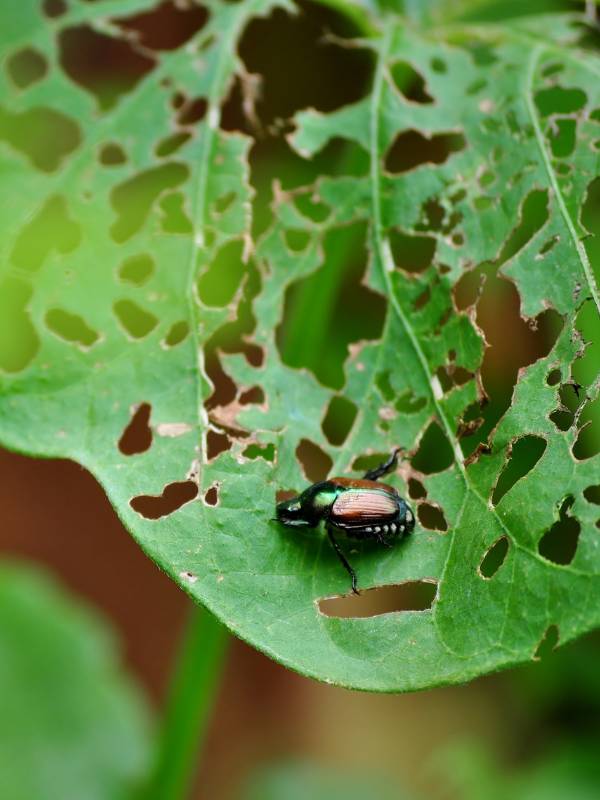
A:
(177, 333)
(223, 203)
(554, 377)
(133, 199)
(432, 216)
(238, 108)
(192, 111)
(50, 229)
(44, 135)
(498, 311)
(558, 100)
(409, 82)
(174, 496)
(311, 208)
(439, 66)
(367, 463)
(592, 494)
(70, 327)
(412, 253)
(432, 517)
(167, 26)
(563, 138)
(494, 558)
(137, 436)
(26, 67)
(136, 269)
(434, 453)
(588, 440)
(411, 149)
(267, 451)
(332, 305)
(252, 396)
(533, 216)
(111, 155)
(136, 321)
(216, 443)
(233, 337)
(382, 380)
(211, 498)
(170, 144)
(416, 490)
(408, 596)
(218, 285)
(174, 218)
(524, 455)
(339, 419)
(548, 643)
(560, 542)
(104, 65)
(331, 77)
(562, 418)
(315, 463)
(297, 240)
(54, 8)
(284, 494)
(18, 340)
(341, 157)
(408, 403)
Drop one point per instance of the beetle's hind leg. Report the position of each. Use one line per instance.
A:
(343, 559)
(382, 469)
(384, 540)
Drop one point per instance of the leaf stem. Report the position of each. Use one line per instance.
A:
(191, 697)
(357, 16)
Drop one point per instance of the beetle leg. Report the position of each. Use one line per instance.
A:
(382, 469)
(382, 539)
(343, 559)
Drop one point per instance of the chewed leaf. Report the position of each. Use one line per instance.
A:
(208, 323)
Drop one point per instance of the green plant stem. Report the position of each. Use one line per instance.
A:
(357, 16)
(191, 697)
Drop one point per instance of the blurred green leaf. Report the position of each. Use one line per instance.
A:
(489, 155)
(568, 769)
(71, 724)
(298, 780)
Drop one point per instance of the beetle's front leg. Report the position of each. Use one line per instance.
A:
(382, 469)
(342, 558)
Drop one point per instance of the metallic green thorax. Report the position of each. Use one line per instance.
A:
(325, 497)
(309, 507)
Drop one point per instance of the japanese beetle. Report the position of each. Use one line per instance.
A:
(360, 508)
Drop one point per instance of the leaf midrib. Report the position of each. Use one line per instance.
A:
(552, 177)
(383, 256)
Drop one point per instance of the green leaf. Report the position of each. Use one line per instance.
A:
(72, 725)
(296, 780)
(567, 769)
(481, 140)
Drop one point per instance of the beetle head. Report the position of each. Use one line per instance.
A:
(305, 510)
(291, 513)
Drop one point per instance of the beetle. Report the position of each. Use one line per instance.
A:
(360, 508)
